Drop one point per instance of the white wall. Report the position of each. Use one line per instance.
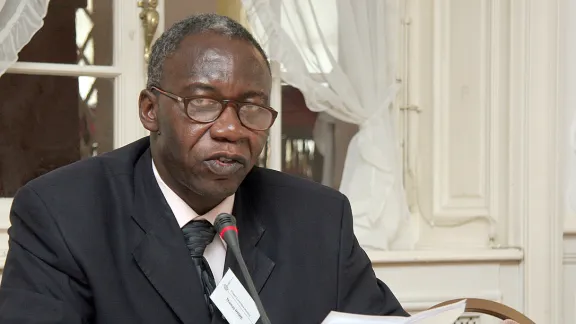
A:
(462, 130)
(484, 157)
(568, 85)
(421, 285)
(569, 284)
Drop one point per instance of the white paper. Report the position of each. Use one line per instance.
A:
(345, 318)
(443, 315)
(234, 302)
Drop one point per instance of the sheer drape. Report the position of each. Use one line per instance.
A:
(19, 21)
(341, 54)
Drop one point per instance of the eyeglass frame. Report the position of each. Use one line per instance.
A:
(224, 102)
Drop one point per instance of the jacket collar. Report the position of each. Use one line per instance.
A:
(162, 254)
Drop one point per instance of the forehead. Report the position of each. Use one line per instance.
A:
(222, 62)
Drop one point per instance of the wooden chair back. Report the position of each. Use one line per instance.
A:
(489, 307)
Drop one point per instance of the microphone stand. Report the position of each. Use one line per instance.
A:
(225, 224)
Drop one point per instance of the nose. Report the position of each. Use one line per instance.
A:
(228, 127)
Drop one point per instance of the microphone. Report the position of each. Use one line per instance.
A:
(225, 225)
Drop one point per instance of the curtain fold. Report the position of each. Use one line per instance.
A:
(341, 54)
(19, 21)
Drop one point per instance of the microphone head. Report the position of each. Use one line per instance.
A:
(224, 220)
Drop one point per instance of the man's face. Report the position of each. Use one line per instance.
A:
(195, 155)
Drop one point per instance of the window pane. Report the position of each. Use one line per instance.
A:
(74, 32)
(301, 156)
(50, 121)
(265, 155)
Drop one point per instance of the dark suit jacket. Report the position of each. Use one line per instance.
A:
(95, 242)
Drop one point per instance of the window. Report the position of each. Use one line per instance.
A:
(52, 120)
(62, 100)
(298, 151)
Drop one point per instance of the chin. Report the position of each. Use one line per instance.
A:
(228, 187)
(220, 188)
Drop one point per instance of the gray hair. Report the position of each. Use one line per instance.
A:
(168, 43)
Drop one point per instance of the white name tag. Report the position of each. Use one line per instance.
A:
(234, 302)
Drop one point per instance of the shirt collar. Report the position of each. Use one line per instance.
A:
(182, 211)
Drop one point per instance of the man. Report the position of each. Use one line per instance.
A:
(120, 238)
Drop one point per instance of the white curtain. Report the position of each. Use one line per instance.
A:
(341, 54)
(19, 21)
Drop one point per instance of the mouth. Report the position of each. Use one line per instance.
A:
(224, 164)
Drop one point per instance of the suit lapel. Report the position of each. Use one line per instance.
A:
(250, 230)
(248, 215)
(162, 254)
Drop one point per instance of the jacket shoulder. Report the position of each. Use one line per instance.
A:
(90, 174)
(290, 185)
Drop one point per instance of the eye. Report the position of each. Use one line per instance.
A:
(251, 109)
(204, 102)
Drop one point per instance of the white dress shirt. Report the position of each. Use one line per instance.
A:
(215, 252)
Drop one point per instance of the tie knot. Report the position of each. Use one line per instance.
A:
(198, 234)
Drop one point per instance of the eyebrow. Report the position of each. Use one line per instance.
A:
(251, 94)
(201, 86)
(245, 95)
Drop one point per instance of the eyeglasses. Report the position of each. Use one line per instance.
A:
(203, 109)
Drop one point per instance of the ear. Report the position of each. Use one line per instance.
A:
(148, 110)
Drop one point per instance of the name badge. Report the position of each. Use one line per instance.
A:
(234, 301)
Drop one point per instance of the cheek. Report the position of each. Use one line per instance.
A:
(182, 137)
(191, 138)
(257, 143)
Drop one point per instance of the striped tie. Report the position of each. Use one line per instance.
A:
(198, 234)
